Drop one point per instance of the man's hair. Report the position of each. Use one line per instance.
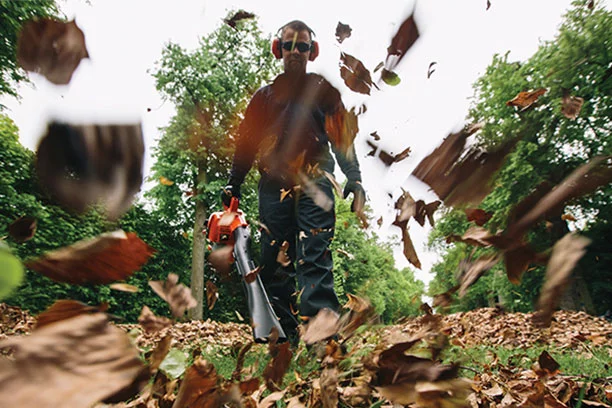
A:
(296, 25)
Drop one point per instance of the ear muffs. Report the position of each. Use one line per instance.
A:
(314, 51)
(276, 48)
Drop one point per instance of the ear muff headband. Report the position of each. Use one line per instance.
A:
(277, 44)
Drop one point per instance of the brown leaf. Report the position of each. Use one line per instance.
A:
(152, 323)
(461, 177)
(51, 48)
(342, 127)
(360, 312)
(407, 206)
(277, 367)
(357, 304)
(568, 217)
(199, 387)
(329, 387)
(22, 229)
(270, 400)
(479, 216)
(343, 31)
(282, 257)
(124, 287)
(387, 158)
(165, 181)
(238, 16)
(66, 309)
(85, 165)
(409, 251)
(356, 76)
(106, 258)
(445, 299)
(429, 70)
(571, 105)
(375, 135)
(212, 294)
(221, 259)
(548, 363)
(488, 4)
(517, 260)
(526, 98)
(403, 39)
(379, 221)
(237, 374)
(565, 255)
(252, 275)
(159, 353)
(474, 270)
(177, 295)
(583, 180)
(322, 326)
(73, 363)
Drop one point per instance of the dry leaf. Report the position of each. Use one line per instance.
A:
(343, 31)
(568, 217)
(342, 127)
(277, 367)
(159, 353)
(124, 287)
(355, 75)
(87, 165)
(329, 387)
(430, 70)
(472, 271)
(282, 257)
(238, 16)
(72, 363)
(51, 48)
(222, 259)
(488, 4)
(199, 387)
(375, 135)
(565, 255)
(152, 323)
(526, 98)
(403, 39)
(360, 312)
(212, 294)
(387, 158)
(106, 258)
(66, 309)
(270, 400)
(177, 295)
(548, 363)
(321, 327)
(571, 105)
(22, 229)
(480, 217)
(165, 181)
(252, 275)
(406, 206)
(409, 251)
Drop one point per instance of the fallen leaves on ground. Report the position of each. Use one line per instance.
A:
(74, 362)
(51, 48)
(104, 259)
(22, 229)
(177, 295)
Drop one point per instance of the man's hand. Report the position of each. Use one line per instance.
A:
(228, 192)
(359, 196)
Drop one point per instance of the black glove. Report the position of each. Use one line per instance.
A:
(359, 195)
(228, 192)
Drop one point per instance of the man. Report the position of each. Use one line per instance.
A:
(286, 123)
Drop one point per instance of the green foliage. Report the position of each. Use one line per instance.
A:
(550, 147)
(12, 15)
(12, 271)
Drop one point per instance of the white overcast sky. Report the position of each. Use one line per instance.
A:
(125, 37)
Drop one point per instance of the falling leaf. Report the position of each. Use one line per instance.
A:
(406, 206)
(334, 183)
(199, 387)
(282, 257)
(342, 127)
(357, 304)
(429, 70)
(152, 323)
(379, 66)
(571, 105)
(355, 75)
(591, 4)
(72, 363)
(329, 387)
(252, 275)
(462, 177)
(345, 253)
(445, 299)
(164, 181)
(124, 287)
(51, 48)
(517, 259)
(343, 31)
(379, 221)
(388, 158)
(472, 271)
(360, 312)
(22, 229)
(409, 251)
(284, 193)
(548, 363)
(479, 216)
(390, 77)
(177, 295)
(375, 135)
(159, 353)
(238, 16)
(322, 326)
(403, 39)
(12, 271)
(568, 217)
(85, 165)
(277, 367)
(423, 211)
(212, 294)
(106, 258)
(66, 309)
(565, 255)
(526, 98)
(221, 258)
(488, 4)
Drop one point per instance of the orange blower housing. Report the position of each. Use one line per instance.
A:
(223, 224)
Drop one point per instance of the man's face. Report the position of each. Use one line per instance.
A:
(295, 61)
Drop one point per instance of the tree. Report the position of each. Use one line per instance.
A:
(210, 88)
(12, 15)
(577, 63)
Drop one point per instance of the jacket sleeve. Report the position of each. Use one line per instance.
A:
(342, 128)
(347, 160)
(250, 134)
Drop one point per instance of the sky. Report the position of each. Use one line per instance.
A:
(125, 38)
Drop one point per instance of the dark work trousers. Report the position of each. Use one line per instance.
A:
(309, 230)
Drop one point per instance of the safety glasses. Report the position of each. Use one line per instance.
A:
(301, 46)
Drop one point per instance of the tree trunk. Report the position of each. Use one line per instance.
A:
(199, 242)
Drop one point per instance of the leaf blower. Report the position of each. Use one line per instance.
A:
(229, 227)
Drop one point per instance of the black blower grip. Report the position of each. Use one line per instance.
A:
(263, 317)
